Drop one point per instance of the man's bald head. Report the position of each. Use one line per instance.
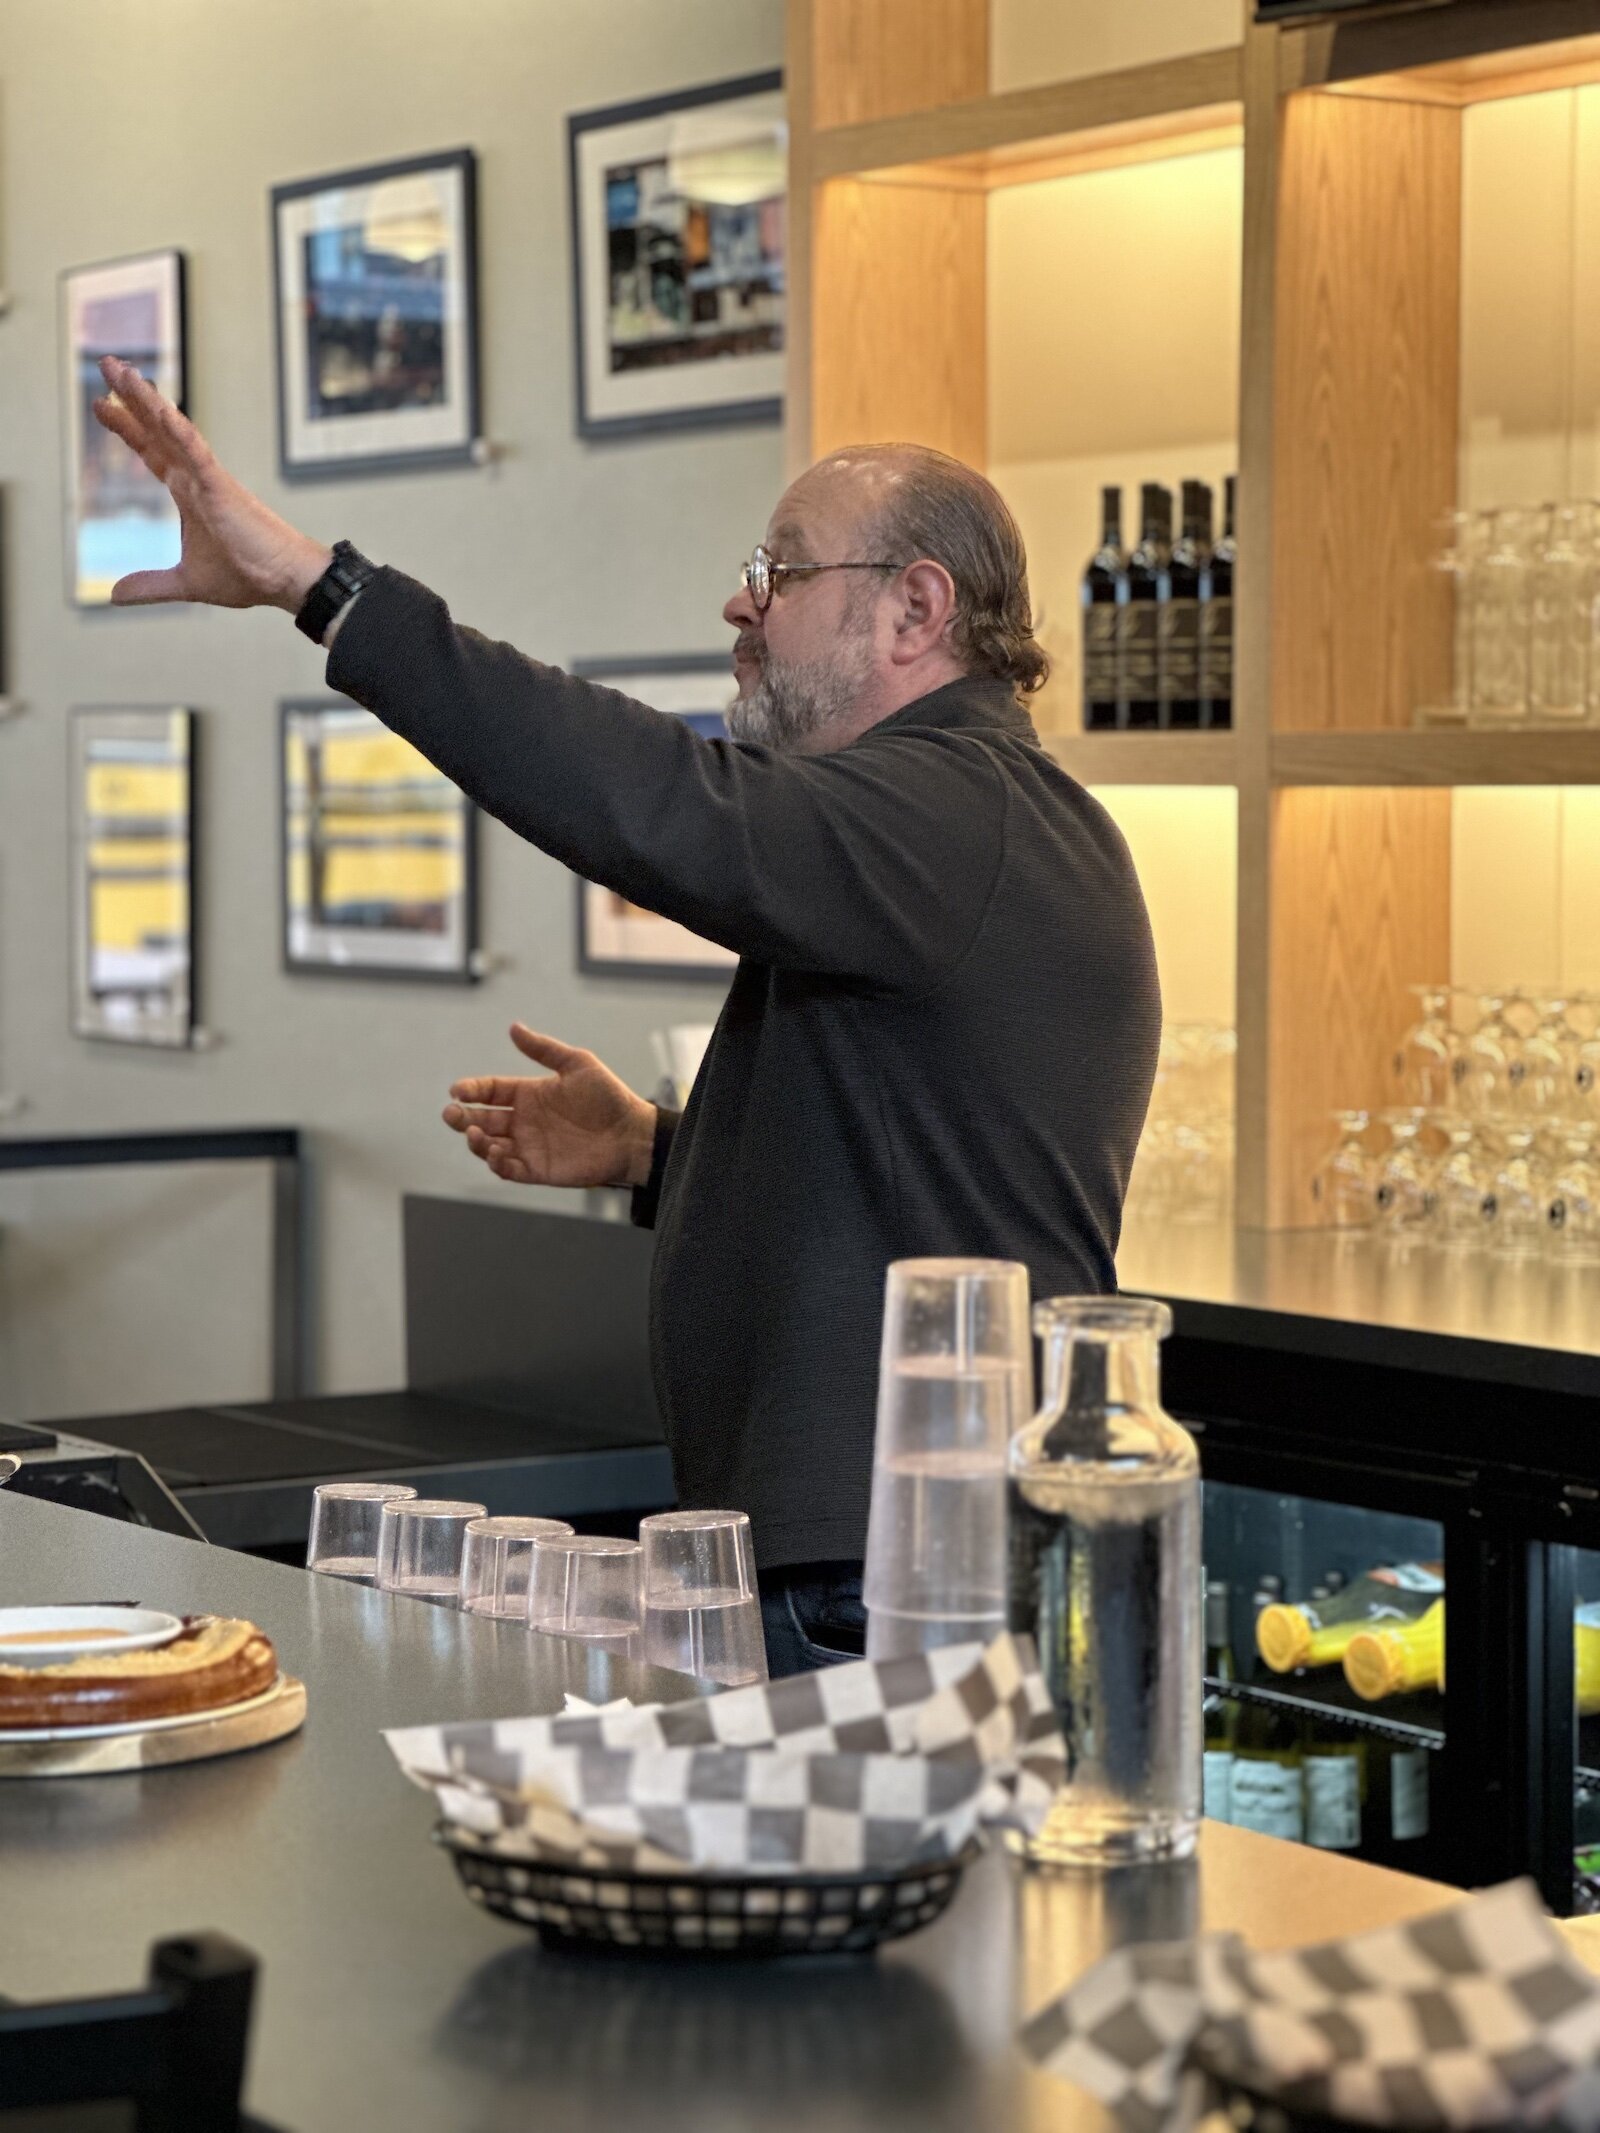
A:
(904, 502)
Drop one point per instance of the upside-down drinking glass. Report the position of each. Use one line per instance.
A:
(702, 1610)
(1425, 1056)
(420, 1545)
(589, 1586)
(1573, 1212)
(497, 1564)
(1404, 1191)
(345, 1520)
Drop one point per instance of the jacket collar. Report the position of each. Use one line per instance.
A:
(973, 703)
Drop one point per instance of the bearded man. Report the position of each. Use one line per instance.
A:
(941, 1036)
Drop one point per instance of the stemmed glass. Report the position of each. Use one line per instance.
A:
(1520, 1200)
(1490, 1062)
(1464, 1204)
(1424, 1060)
(1573, 1210)
(1343, 1183)
(1404, 1193)
(1549, 1063)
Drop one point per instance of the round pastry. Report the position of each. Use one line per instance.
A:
(213, 1663)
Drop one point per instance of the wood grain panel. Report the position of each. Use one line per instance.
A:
(871, 58)
(1360, 910)
(799, 46)
(1133, 758)
(1365, 408)
(898, 329)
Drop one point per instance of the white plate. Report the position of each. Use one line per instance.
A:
(32, 1636)
(144, 1725)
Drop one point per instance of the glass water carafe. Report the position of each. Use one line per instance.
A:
(1104, 1507)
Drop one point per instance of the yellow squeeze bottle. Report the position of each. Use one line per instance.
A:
(1319, 1632)
(1388, 1658)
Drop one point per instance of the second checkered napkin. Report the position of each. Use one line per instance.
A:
(872, 1765)
(1475, 2016)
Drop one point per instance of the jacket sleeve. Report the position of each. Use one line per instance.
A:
(872, 864)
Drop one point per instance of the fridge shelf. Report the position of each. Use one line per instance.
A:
(1403, 1719)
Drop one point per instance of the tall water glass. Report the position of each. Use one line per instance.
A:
(1563, 616)
(420, 1545)
(1501, 622)
(1105, 1576)
(702, 1610)
(345, 1518)
(955, 1381)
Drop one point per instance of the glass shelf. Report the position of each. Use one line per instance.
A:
(1402, 1719)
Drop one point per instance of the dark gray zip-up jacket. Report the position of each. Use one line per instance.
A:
(940, 1039)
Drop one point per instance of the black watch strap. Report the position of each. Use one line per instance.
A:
(339, 583)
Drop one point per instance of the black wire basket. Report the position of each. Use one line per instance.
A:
(700, 1914)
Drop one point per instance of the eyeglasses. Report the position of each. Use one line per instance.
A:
(760, 575)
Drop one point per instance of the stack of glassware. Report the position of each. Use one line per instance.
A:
(1526, 630)
(1493, 1140)
(1184, 1169)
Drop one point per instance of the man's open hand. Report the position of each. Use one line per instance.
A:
(236, 553)
(578, 1125)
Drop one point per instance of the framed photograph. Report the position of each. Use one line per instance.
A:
(380, 872)
(118, 516)
(679, 258)
(131, 809)
(377, 317)
(619, 939)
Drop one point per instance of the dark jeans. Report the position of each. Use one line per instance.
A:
(813, 1616)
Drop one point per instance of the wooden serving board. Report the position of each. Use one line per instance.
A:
(265, 1718)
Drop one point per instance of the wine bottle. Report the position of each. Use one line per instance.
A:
(1105, 584)
(1334, 1765)
(1138, 617)
(1221, 1710)
(1216, 623)
(1178, 616)
(1267, 1792)
(1397, 1801)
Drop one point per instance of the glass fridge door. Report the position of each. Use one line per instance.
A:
(1324, 1672)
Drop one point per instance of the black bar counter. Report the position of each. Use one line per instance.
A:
(387, 2000)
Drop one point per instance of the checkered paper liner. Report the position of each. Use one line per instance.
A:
(1475, 2016)
(856, 1768)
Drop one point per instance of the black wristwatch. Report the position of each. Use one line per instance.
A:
(339, 583)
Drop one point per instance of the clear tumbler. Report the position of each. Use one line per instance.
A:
(702, 1611)
(345, 1517)
(955, 1381)
(589, 1586)
(497, 1564)
(420, 1545)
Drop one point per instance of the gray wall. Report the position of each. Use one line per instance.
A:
(129, 125)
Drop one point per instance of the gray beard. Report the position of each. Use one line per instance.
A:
(794, 702)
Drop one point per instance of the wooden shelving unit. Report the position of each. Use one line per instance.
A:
(1348, 447)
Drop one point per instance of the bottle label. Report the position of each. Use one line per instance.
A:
(1217, 1796)
(1178, 650)
(1268, 1797)
(1588, 1615)
(1412, 1577)
(1333, 1802)
(1216, 649)
(1408, 1794)
(1100, 654)
(1136, 649)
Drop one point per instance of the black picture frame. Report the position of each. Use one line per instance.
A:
(633, 675)
(136, 726)
(461, 965)
(96, 462)
(741, 405)
(375, 456)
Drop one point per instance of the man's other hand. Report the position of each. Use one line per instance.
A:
(236, 553)
(578, 1125)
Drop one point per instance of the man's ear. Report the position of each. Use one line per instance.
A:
(927, 606)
